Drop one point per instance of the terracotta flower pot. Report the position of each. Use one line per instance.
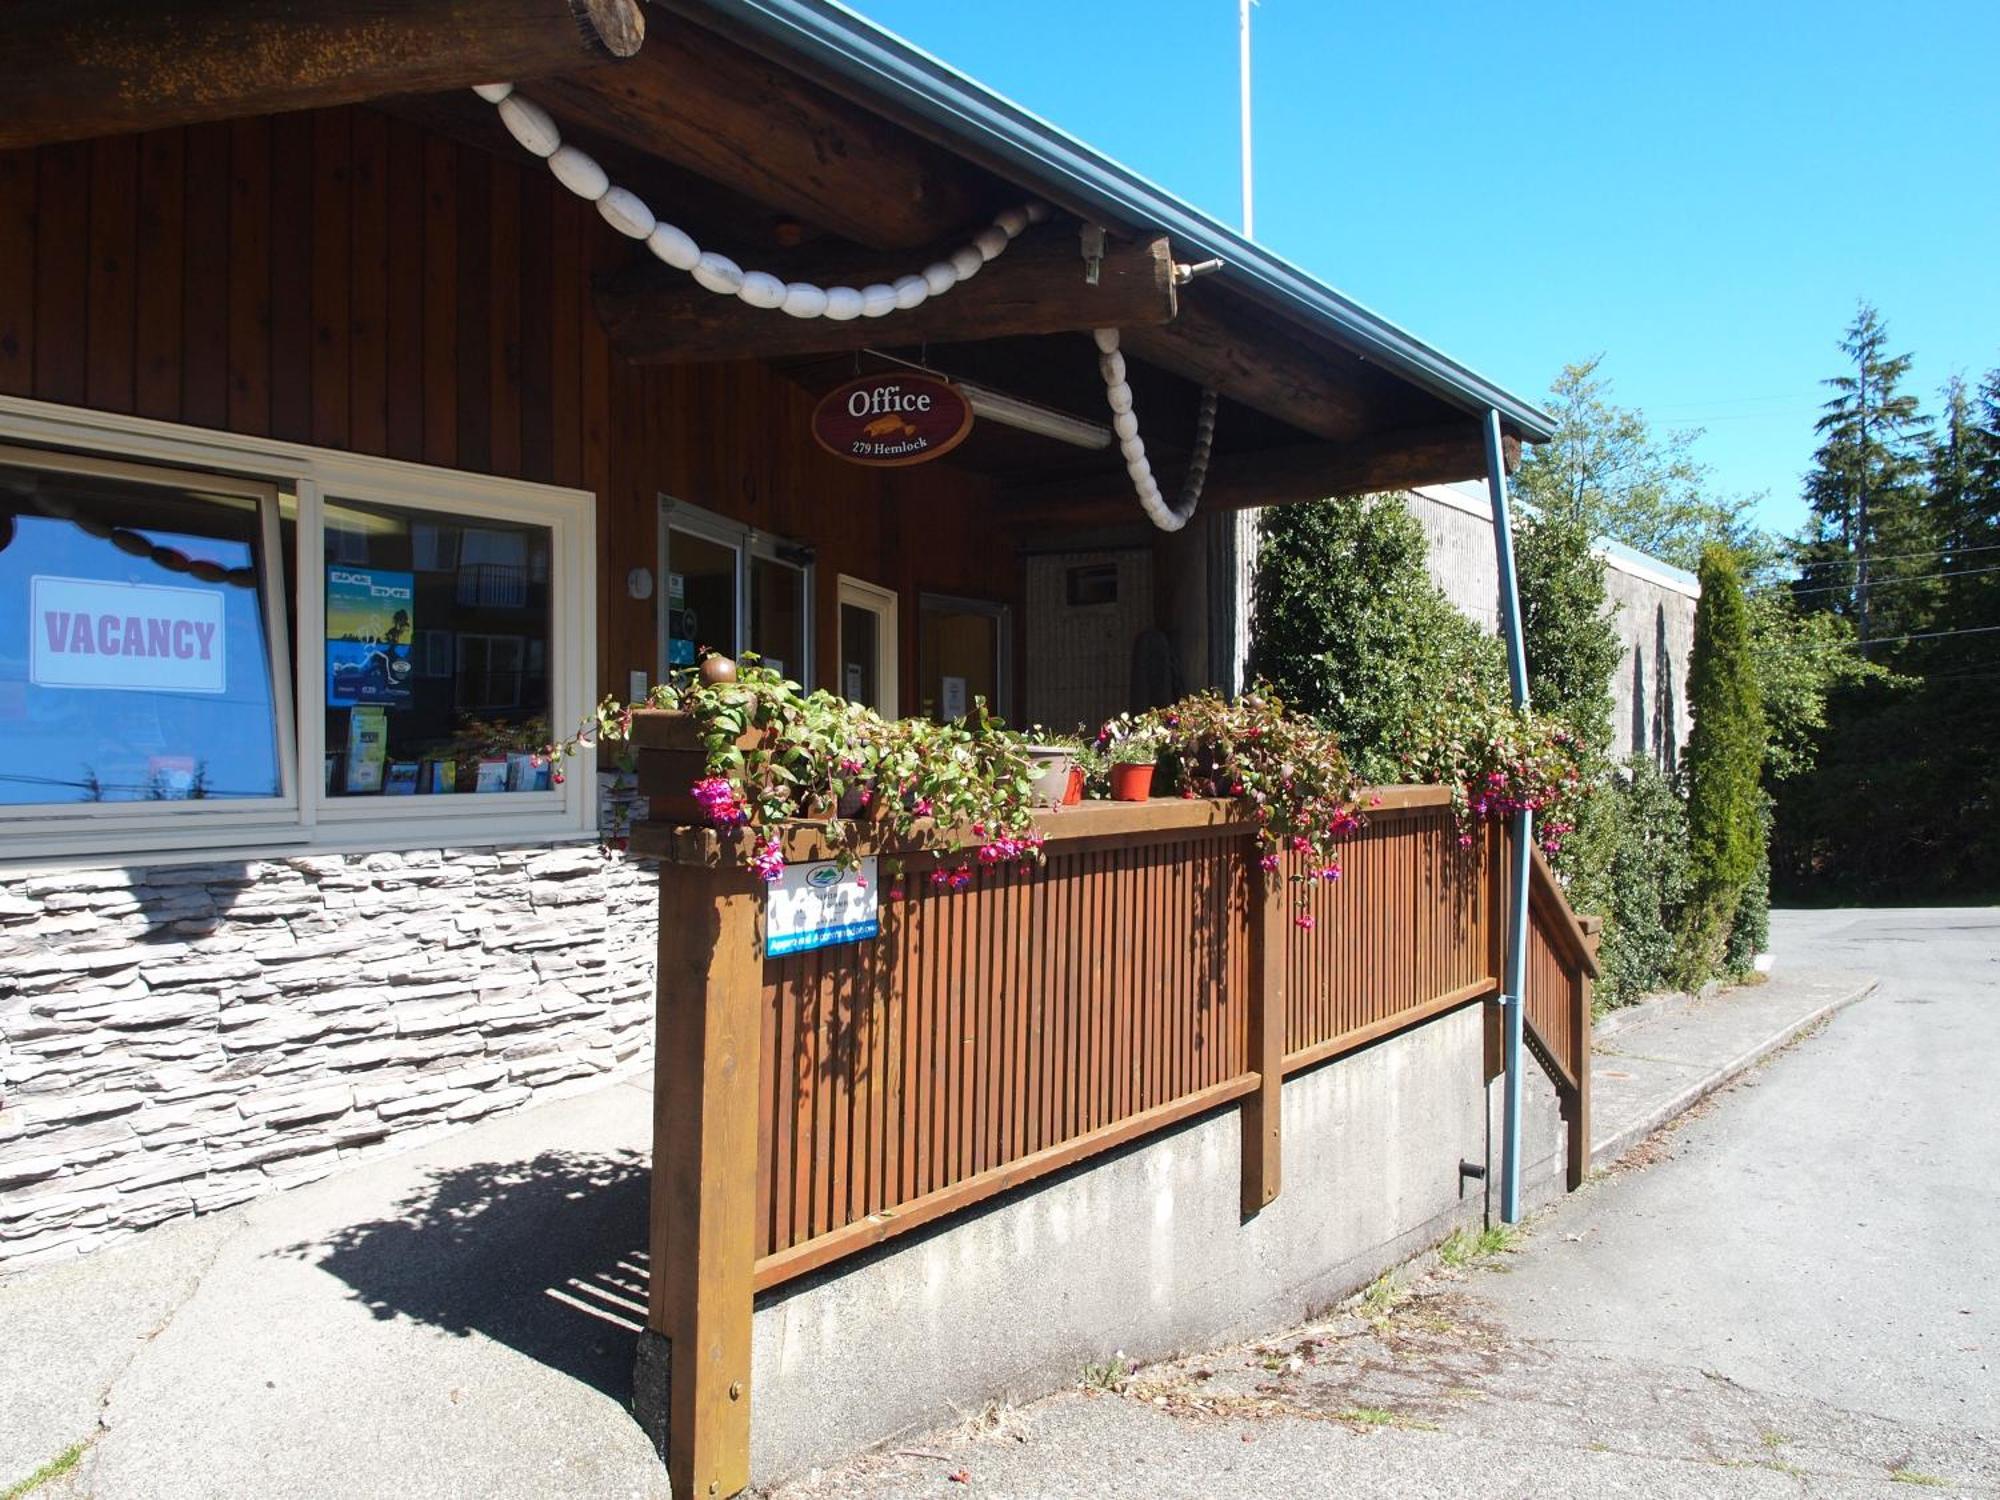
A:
(1131, 783)
(1073, 792)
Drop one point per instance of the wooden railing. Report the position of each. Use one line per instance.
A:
(813, 1105)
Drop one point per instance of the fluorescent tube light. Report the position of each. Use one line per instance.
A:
(1027, 416)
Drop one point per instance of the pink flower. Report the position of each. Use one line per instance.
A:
(769, 861)
(1268, 862)
(1306, 920)
(719, 802)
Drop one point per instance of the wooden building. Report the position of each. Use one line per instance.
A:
(359, 430)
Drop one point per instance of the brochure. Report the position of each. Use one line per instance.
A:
(401, 780)
(367, 747)
(492, 774)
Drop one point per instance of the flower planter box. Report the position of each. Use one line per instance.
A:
(671, 759)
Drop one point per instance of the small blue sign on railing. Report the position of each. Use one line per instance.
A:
(818, 905)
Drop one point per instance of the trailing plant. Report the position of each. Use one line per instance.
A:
(774, 753)
(1498, 760)
(1286, 769)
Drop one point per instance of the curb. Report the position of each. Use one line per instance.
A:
(1610, 1148)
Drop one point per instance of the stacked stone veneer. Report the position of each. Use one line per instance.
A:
(178, 1038)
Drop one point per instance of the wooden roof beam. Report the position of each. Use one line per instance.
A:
(659, 316)
(1395, 460)
(757, 127)
(70, 71)
(1255, 360)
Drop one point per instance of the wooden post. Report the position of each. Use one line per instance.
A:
(1495, 846)
(1263, 1110)
(1578, 1115)
(703, 1239)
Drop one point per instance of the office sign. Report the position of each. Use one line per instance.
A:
(130, 637)
(886, 421)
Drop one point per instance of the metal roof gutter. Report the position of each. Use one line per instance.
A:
(854, 48)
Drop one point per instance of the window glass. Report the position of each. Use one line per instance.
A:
(135, 652)
(701, 597)
(860, 656)
(778, 616)
(437, 650)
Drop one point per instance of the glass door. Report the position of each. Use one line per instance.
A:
(963, 654)
(868, 646)
(702, 597)
(729, 589)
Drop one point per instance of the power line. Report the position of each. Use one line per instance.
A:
(1880, 583)
(1928, 635)
(1873, 557)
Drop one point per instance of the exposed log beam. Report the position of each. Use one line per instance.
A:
(659, 316)
(72, 70)
(1395, 460)
(1252, 359)
(757, 127)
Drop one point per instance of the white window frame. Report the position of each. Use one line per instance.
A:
(307, 818)
(748, 544)
(881, 603)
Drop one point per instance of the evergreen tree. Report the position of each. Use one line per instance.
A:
(1872, 539)
(1965, 496)
(1724, 767)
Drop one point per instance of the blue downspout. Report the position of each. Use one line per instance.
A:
(1514, 986)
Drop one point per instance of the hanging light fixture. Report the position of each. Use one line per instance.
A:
(1030, 416)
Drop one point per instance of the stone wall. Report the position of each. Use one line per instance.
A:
(178, 1038)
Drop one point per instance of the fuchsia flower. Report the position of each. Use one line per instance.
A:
(719, 802)
(1268, 863)
(1330, 872)
(769, 861)
(1306, 920)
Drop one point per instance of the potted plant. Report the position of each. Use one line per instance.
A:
(1054, 758)
(1132, 742)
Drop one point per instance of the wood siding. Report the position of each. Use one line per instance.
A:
(346, 279)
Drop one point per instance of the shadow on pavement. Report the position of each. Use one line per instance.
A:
(539, 1255)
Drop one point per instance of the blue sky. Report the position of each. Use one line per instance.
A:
(1700, 191)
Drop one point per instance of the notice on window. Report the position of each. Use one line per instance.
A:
(129, 636)
(369, 623)
(953, 704)
(819, 905)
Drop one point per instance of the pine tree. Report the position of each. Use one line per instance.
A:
(1965, 495)
(1873, 537)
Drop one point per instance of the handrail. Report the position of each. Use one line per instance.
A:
(1547, 892)
(710, 847)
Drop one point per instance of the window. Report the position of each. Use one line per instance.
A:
(139, 656)
(731, 589)
(210, 642)
(394, 728)
(964, 652)
(868, 646)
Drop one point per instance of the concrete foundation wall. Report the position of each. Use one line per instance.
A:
(1145, 1251)
(176, 1039)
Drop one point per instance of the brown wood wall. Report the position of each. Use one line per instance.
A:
(345, 279)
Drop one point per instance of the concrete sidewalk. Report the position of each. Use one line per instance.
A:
(458, 1320)
(1654, 1061)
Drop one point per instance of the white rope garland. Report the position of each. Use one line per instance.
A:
(1125, 423)
(627, 213)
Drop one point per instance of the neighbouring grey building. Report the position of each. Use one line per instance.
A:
(1651, 603)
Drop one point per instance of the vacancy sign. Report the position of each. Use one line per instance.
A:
(818, 905)
(89, 634)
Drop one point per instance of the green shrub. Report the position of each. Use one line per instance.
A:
(1349, 628)
(1632, 846)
